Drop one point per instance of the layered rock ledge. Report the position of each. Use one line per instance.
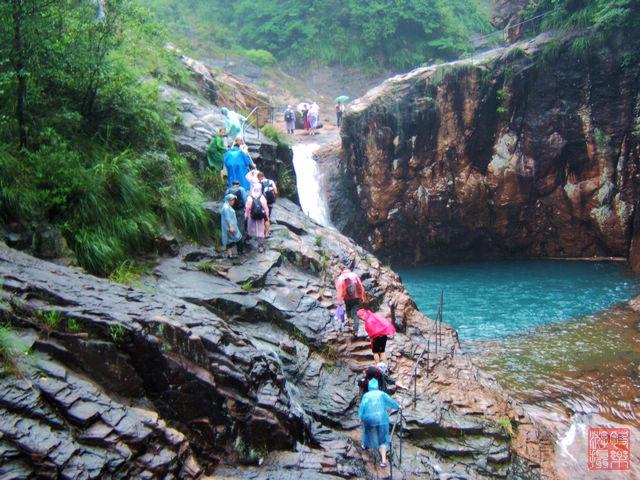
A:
(237, 369)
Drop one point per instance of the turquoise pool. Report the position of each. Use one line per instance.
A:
(493, 300)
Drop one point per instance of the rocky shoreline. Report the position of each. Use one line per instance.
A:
(237, 370)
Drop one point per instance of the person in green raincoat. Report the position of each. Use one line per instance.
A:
(216, 151)
(233, 123)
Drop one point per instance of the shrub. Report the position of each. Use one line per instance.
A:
(182, 205)
(212, 183)
(73, 325)
(49, 320)
(17, 198)
(109, 208)
(507, 426)
(206, 266)
(12, 352)
(287, 183)
(116, 332)
(128, 273)
(274, 134)
(259, 57)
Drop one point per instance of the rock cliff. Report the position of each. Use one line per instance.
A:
(508, 15)
(529, 151)
(196, 122)
(236, 369)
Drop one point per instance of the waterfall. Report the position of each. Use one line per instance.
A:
(311, 196)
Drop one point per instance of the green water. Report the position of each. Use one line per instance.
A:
(494, 300)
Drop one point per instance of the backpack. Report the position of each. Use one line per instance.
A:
(351, 288)
(288, 115)
(239, 205)
(373, 372)
(257, 211)
(267, 191)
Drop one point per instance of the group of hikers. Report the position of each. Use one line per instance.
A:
(375, 382)
(246, 210)
(249, 196)
(310, 115)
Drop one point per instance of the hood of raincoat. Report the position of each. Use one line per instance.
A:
(224, 110)
(373, 384)
(256, 190)
(376, 325)
(229, 197)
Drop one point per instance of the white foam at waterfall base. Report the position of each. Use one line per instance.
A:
(312, 199)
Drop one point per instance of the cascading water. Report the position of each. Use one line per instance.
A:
(311, 199)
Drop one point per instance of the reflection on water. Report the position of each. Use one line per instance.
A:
(574, 375)
(589, 365)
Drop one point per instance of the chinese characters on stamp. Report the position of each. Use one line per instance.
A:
(609, 449)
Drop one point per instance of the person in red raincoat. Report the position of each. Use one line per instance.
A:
(349, 289)
(379, 330)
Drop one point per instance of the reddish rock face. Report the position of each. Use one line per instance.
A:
(510, 155)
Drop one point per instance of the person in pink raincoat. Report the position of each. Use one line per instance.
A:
(252, 178)
(257, 213)
(379, 330)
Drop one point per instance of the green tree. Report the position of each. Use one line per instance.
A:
(603, 16)
(398, 33)
(85, 143)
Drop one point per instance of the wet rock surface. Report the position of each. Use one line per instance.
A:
(56, 424)
(237, 369)
(198, 120)
(502, 155)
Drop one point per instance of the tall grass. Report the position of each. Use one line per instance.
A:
(110, 208)
(12, 352)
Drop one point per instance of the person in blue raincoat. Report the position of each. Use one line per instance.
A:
(230, 233)
(233, 123)
(375, 419)
(238, 163)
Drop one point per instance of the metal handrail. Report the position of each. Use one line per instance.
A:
(415, 376)
(256, 109)
(399, 420)
(244, 125)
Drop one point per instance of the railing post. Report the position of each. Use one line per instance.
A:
(441, 307)
(428, 356)
(415, 376)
